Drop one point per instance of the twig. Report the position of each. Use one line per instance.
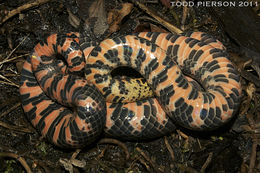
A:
(22, 8)
(199, 143)
(206, 164)
(155, 167)
(140, 159)
(7, 83)
(184, 16)
(19, 158)
(252, 158)
(162, 21)
(254, 146)
(168, 146)
(14, 58)
(10, 82)
(182, 134)
(250, 90)
(16, 128)
(116, 142)
(184, 168)
(10, 110)
(14, 50)
(75, 154)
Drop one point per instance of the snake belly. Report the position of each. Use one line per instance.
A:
(46, 106)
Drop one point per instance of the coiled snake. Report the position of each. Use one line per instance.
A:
(72, 112)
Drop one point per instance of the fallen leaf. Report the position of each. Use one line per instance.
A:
(148, 27)
(73, 19)
(155, 28)
(97, 17)
(115, 16)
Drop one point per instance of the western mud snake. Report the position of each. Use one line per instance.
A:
(71, 111)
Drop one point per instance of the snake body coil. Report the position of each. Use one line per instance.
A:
(160, 58)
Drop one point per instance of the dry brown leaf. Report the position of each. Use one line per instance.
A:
(148, 27)
(142, 27)
(115, 16)
(250, 90)
(97, 14)
(155, 28)
(73, 19)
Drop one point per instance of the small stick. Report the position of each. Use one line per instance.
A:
(252, 158)
(75, 154)
(182, 134)
(16, 128)
(255, 144)
(165, 23)
(22, 8)
(14, 58)
(155, 167)
(19, 158)
(168, 146)
(10, 110)
(116, 142)
(14, 49)
(206, 164)
(9, 82)
(184, 16)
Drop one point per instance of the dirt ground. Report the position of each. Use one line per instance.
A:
(232, 148)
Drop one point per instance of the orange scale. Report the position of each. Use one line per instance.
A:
(76, 39)
(73, 54)
(78, 67)
(187, 51)
(205, 57)
(107, 45)
(39, 108)
(160, 114)
(121, 53)
(67, 44)
(82, 125)
(60, 86)
(110, 97)
(196, 35)
(52, 39)
(162, 41)
(87, 51)
(45, 50)
(36, 120)
(58, 128)
(222, 70)
(219, 101)
(109, 121)
(34, 91)
(68, 133)
(143, 35)
(181, 53)
(41, 74)
(136, 120)
(48, 83)
(49, 120)
(28, 107)
(27, 66)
